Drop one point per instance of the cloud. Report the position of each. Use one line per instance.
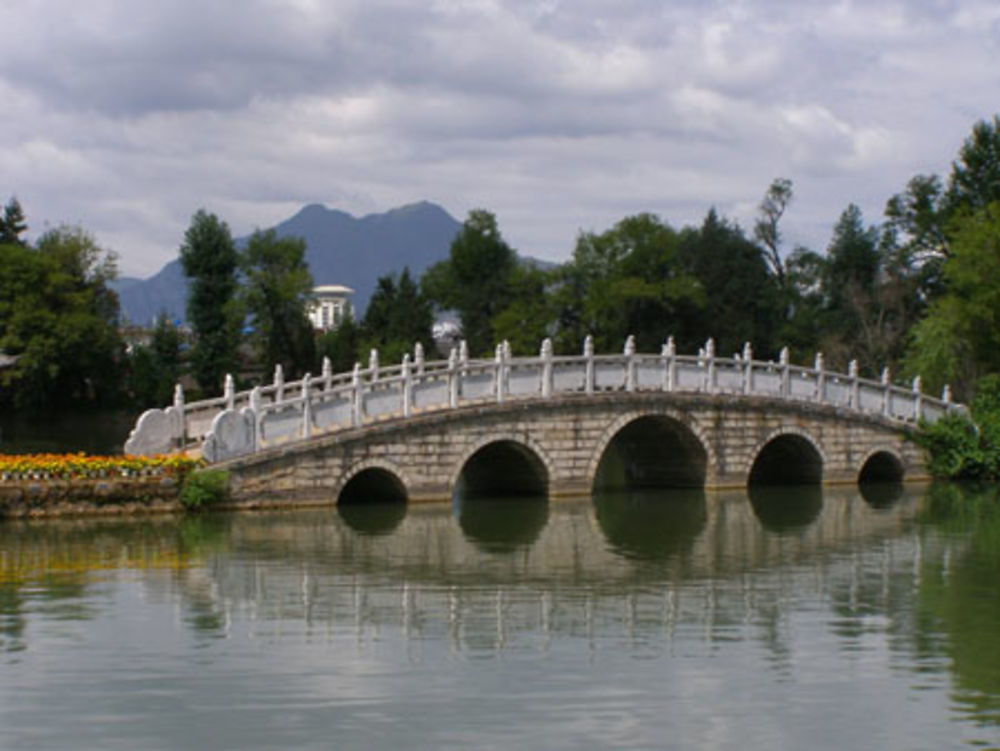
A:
(557, 115)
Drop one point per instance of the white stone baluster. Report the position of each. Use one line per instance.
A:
(279, 383)
(588, 355)
(407, 385)
(373, 364)
(357, 396)
(418, 357)
(710, 366)
(453, 378)
(546, 354)
(786, 383)
(747, 368)
(255, 407)
(629, 353)
(918, 399)
(306, 406)
(229, 391)
(499, 373)
(180, 427)
(886, 393)
(820, 378)
(852, 373)
(946, 394)
(670, 365)
(463, 356)
(327, 374)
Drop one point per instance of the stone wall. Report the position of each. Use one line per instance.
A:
(569, 435)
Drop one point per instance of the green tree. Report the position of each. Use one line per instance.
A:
(398, 316)
(743, 299)
(959, 339)
(342, 345)
(475, 279)
(209, 259)
(529, 316)
(276, 295)
(58, 318)
(154, 369)
(12, 224)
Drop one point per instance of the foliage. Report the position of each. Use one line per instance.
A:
(12, 224)
(398, 316)
(475, 279)
(66, 466)
(962, 448)
(529, 316)
(209, 259)
(204, 488)
(276, 296)
(155, 368)
(766, 229)
(959, 339)
(342, 345)
(59, 318)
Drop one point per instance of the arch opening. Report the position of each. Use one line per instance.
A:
(882, 466)
(502, 469)
(788, 459)
(373, 485)
(652, 452)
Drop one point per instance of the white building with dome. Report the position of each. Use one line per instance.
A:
(330, 306)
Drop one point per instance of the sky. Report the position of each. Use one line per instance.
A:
(559, 116)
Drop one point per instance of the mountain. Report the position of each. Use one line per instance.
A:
(340, 249)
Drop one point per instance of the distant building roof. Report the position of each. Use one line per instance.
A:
(332, 289)
(7, 361)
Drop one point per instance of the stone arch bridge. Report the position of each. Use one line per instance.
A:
(551, 425)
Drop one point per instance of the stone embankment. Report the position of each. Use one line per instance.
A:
(30, 497)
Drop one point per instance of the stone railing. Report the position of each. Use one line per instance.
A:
(245, 422)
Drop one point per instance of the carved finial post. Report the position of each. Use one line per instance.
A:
(747, 368)
(918, 399)
(306, 406)
(407, 385)
(886, 392)
(256, 402)
(670, 365)
(852, 373)
(463, 354)
(946, 394)
(588, 373)
(279, 383)
(820, 369)
(418, 357)
(710, 366)
(546, 354)
(229, 391)
(180, 423)
(373, 364)
(327, 374)
(630, 380)
(357, 395)
(786, 381)
(453, 375)
(498, 379)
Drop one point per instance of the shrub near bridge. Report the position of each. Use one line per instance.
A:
(963, 448)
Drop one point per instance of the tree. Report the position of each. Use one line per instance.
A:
(154, 369)
(209, 259)
(276, 295)
(398, 316)
(12, 224)
(766, 229)
(975, 177)
(58, 318)
(959, 339)
(743, 301)
(342, 345)
(475, 279)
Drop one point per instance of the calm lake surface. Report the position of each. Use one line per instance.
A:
(789, 619)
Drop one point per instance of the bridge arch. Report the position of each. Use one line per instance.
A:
(503, 463)
(881, 464)
(786, 456)
(377, 479)
(697, 453)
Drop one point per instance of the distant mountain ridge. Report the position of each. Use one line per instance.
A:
(340, 249)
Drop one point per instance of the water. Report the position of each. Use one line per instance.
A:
(789, 620)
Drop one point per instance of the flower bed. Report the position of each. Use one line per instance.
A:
(18, 468)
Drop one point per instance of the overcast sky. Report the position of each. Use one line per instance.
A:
(126, 116)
